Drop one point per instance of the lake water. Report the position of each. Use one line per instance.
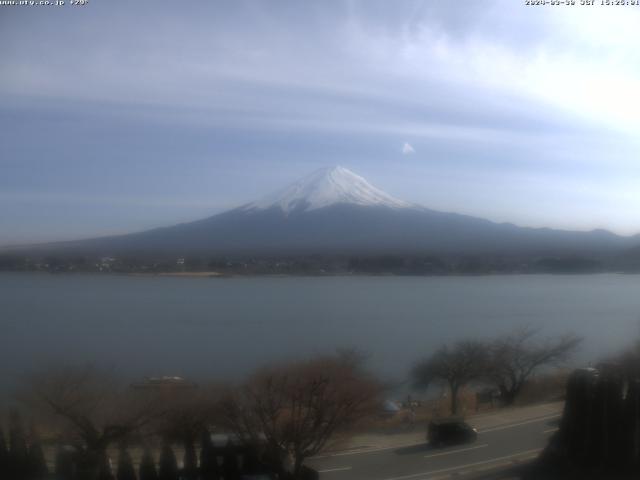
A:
(226, 327)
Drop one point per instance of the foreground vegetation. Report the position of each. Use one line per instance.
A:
(278, 418)
(506, 363)
(165, 429)
(599, 433)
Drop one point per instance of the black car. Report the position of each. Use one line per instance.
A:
(450, 432)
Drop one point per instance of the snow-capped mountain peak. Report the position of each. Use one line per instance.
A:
(325, 187)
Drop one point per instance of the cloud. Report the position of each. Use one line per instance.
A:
(407, 149)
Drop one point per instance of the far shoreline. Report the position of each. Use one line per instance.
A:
(221, 275)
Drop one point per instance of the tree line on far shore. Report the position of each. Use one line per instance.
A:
(328, 264)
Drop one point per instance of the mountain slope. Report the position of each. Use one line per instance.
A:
(336, 211)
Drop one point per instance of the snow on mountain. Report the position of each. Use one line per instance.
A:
(325, 187)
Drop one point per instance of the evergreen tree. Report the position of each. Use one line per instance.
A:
(105, 471)
(168, 464)
(36, 463)
(230, 469)
(251, 463)
(209, 469)
(190, 461)
(64, 464)
(18, 456)
(148, 466)
(4, 456)
(125, 465)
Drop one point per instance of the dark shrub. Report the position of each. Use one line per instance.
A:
(148, 466)
(168, 464)
(36, 463)
(125, 466)
(18, 453)
(209, 469)
(190, 461)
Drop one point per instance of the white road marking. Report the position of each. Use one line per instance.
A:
(468, 465)
(506, 412)
(341, 469)
(450, 452)
(534, 420)
(413, 444)
(549, 430)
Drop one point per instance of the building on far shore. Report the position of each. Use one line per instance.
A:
(164, 382)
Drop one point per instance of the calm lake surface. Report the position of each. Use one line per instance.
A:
(226, 327)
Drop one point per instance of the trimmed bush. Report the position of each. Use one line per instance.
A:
(125, 466)
(36, 463)
(190, 461)
(209, 469)
(230, 469)
(168, 464)
(4, 456)
(64, 463)
(18, 453)
(105, 471)
(148, 466)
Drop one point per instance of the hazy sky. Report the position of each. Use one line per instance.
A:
(123, 115)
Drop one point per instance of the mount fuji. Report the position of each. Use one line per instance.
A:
(335, 211)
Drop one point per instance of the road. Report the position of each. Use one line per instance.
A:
(503, 441)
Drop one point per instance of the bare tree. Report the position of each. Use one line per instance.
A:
(516, 357)
(92, 408)
(456, 366)
(297, 408)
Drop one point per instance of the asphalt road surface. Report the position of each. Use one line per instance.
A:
(497, 448)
